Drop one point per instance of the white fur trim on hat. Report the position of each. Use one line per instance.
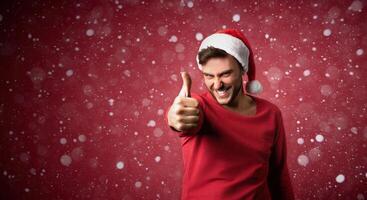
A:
(229, 44)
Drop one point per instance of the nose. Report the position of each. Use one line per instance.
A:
(218, 83)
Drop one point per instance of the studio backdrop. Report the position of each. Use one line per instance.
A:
(85, 86)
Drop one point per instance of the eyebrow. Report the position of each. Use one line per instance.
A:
(220, 74)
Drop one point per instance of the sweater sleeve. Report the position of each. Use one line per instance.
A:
(280, 185)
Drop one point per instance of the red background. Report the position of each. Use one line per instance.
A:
(84, 85)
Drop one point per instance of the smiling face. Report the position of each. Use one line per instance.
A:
(223, 78)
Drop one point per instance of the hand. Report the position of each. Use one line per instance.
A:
(183, 114)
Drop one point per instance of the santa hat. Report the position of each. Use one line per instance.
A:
(235, 43)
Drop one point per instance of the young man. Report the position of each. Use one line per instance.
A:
(233, 143)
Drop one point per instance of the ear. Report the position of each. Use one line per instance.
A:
(242, 71)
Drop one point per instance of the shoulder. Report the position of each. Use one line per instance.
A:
(266, 104)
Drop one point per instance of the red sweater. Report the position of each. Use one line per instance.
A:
(233, 156)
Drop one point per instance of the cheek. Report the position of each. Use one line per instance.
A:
(229, 80)
(232, 81)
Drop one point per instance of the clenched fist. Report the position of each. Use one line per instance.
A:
(183, 114)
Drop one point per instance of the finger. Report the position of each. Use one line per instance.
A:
(186, 85)
(187, 102)
(189, 119)
(187, 127)
(188, 111)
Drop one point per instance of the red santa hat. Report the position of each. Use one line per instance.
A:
(235, 43)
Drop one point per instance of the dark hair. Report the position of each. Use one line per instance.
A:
(212, 52)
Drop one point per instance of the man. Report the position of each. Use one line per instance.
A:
(233, 143)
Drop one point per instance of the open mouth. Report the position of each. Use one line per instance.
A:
(223, 92)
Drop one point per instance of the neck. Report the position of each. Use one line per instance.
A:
(236, 102)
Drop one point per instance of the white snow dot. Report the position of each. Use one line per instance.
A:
(327, 32)
(236, 17)
(127, 73)
(151, 123)
(146, 102)
(63, 141)
(266, 36)
(82, 138)
(160, 111)
(356, 6)
(307, 72)
(179, 48)
(354, 130)
(157, 158)
(360, 196)
(69, 72)
(174, 77)
(26, 190)
(190, 4)
(120, 165)
(359, 52)
(319, 138)
(326, 90)
(300, 141)
(111, 101)
(199, 36)
(33, 171)
(340, 178)
(162, 30)
(302, 160)
(65, 160)
(89, 32)
(158, 132)
(138, 184)
(173, 38)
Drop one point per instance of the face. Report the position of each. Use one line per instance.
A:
(223, 78)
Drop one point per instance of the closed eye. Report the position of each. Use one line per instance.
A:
(226, 74)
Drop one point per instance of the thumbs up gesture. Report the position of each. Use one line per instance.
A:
(183, 115)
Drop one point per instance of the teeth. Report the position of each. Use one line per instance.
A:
(222, 92)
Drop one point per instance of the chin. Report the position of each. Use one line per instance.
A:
(223, 101)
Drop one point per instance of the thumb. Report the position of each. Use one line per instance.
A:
(186, 85)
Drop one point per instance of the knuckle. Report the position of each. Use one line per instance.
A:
(179, 119)
(197, 111)
(195, 103)
(180, 127)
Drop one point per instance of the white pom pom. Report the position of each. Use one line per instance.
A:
(254, 87)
